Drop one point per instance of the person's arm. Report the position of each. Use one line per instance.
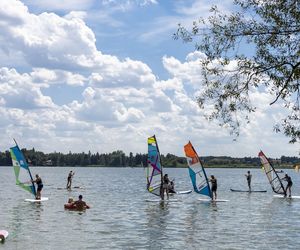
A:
(28, 182)
(86, 205)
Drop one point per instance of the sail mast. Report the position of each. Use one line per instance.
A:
(161, 169)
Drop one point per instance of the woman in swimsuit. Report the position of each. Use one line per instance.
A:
(165, 186)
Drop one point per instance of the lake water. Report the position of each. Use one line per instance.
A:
(121, 219)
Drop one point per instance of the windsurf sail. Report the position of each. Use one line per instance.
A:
(154, 167)
(272, 174)
(197, 172)
(22, 172)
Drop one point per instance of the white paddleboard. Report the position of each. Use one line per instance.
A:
(159, 200)
(184, 192)
(247, 191)
(76, 187)
(34, 200)
(3, 235)
(210, 200)
(287, 197)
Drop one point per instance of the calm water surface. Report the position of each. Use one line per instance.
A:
(121, 219)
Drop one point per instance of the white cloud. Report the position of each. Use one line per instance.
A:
(122, 100)
(188, 72)
(46, 40)
(60, 5)
(18, 91)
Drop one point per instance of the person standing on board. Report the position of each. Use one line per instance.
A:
(289, 184)
(70, 177)
(165, 187)
(214, 186)
(249, 177)
(40, 186)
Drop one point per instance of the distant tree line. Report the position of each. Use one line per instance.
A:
(120, 159)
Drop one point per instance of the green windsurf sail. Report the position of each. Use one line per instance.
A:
(22, 172)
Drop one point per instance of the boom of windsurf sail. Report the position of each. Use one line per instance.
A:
(272, 174)
(22, 171)
(154, 167)
(197, 172)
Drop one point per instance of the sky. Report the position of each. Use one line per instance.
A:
(104, 75)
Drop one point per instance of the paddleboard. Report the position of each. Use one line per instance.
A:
(77, 187)
(3, 235)
(247, 191)
(34, 200)
(210, 200)
(281, 196)
(184, 192)
(159, 200)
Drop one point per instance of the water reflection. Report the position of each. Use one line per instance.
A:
(121, 219)
(157, 216)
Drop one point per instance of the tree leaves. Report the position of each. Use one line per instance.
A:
(272, 31)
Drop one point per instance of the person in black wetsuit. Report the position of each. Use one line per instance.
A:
(289, 184)
(165, 187)
(249, 177)
(70, 177)
(40, 185)
(214, 186)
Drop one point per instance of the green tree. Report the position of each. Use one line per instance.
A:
(271, 29)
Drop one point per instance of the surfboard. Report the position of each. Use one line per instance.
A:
(34, 200)
(247, 191)
(3, 235)
(210, 200)
(159, 200)
(281, 196)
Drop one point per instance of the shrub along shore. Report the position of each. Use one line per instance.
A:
(120, 159)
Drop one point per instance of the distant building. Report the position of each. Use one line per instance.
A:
(48, 163)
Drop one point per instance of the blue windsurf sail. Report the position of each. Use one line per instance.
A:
(197, 172)
(22, 172)
(154, 167)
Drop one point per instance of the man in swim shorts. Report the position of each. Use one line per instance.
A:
(249, 177)
(70, 177)
(214, 186)
(289, 184)
(40, 186)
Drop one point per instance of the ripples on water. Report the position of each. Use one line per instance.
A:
(121, 219)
